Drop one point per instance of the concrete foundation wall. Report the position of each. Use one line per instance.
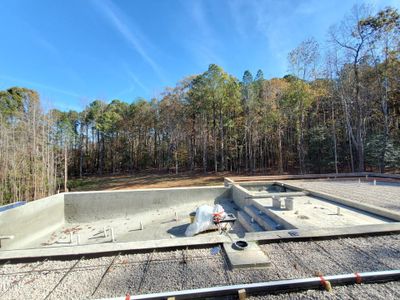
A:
(265, 183)
(31, 221)
(90, 206)
(240, 195)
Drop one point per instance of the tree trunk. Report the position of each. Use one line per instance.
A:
(65, 166)
(221, 129)
(334, 139)
(351, 155)
(280, 155)
(214, 132)
(176, 160)
(205, 146)
(81, 141)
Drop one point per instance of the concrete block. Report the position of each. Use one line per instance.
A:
(289, 204)
(251, 257)
(276, 202)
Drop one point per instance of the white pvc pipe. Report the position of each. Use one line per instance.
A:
(112, 235)
(105, 231)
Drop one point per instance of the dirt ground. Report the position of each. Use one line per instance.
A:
(146, 180)
(154, 179)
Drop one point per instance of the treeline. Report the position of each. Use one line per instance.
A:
(337, 111)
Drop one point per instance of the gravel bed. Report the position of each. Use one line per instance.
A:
(396, 237)
(319, 263)
(197, 268)
(7, 283)
(82, 280)
(133, 258)
(287, 266)
(162, 277)
(122, 278)
(358, 262)
(239, 276)
(300, 245)
(308, 294)
(332, 245)
(204, 273)
(389, 241)
(166, 255)
(37, 284)
(387, 255)
(19, 267)
(313, 257)
(386, 291)
(204, 253)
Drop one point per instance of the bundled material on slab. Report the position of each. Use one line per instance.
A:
(203, 220)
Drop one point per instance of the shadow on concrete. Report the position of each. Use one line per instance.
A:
(179, 230)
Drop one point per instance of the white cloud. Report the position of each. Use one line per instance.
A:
(129, 32)
(136, 81)
(204, 45)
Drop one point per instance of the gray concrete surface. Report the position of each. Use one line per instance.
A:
(240, 195)
(310, 209)
(164, 223)
(90, 206)
(251, 257)
(48, 222)
(32, 221)
(312, 212)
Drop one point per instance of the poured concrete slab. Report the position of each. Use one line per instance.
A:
(49, 222)
(359, 203)
(311, 212)
(166, 223)
(251, 257)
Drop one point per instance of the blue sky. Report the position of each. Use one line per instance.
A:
(75, 51)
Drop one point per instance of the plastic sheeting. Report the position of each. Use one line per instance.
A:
(204, 219)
